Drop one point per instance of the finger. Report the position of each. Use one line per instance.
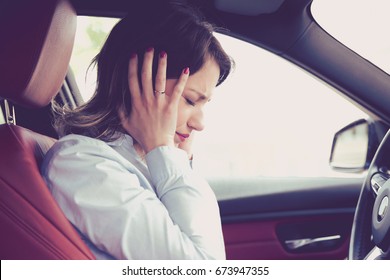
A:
(161, 75)
(134, 88)
(146, 73)
(180, 85)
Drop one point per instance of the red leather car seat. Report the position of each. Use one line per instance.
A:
(36, 43)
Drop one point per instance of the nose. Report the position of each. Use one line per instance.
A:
(196, 121)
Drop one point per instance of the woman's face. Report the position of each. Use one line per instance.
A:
(197, 92)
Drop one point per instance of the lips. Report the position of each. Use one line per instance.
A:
(182, 136)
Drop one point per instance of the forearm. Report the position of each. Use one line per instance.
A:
(189, 199)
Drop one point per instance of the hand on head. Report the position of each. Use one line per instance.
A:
(153, 117)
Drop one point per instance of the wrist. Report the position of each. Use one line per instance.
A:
(151, 146)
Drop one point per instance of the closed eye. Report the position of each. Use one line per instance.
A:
(189, 102)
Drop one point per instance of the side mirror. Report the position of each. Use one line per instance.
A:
(354, 147)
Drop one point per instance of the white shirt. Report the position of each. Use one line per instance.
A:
(131, 210)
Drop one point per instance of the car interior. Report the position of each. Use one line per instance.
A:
(317, 218)
(33, 225)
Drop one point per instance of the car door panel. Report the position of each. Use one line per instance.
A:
(289, 218)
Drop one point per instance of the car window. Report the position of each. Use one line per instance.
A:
(270, 118)
(2, 120)
(90, 36)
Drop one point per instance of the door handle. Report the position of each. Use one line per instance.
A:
(299, 243)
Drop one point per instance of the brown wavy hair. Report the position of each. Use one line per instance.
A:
(169, 26)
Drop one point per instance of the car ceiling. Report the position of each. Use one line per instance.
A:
(276, 24)
(286, 28)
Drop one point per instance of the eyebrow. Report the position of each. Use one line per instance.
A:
(201, 95)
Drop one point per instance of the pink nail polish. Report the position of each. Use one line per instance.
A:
(133, 55)
(149, 49)
(163, 54)
(186, 70)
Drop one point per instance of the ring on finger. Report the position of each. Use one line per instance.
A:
(159, 91)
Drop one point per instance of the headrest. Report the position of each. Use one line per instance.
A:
(36, 44)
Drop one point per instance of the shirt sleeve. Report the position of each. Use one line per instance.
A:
(104, 199)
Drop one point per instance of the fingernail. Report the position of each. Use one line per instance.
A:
(163, 54)
(133, 55)
(149, 49)
(186, 70)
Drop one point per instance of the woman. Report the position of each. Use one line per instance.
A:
(121, 172)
